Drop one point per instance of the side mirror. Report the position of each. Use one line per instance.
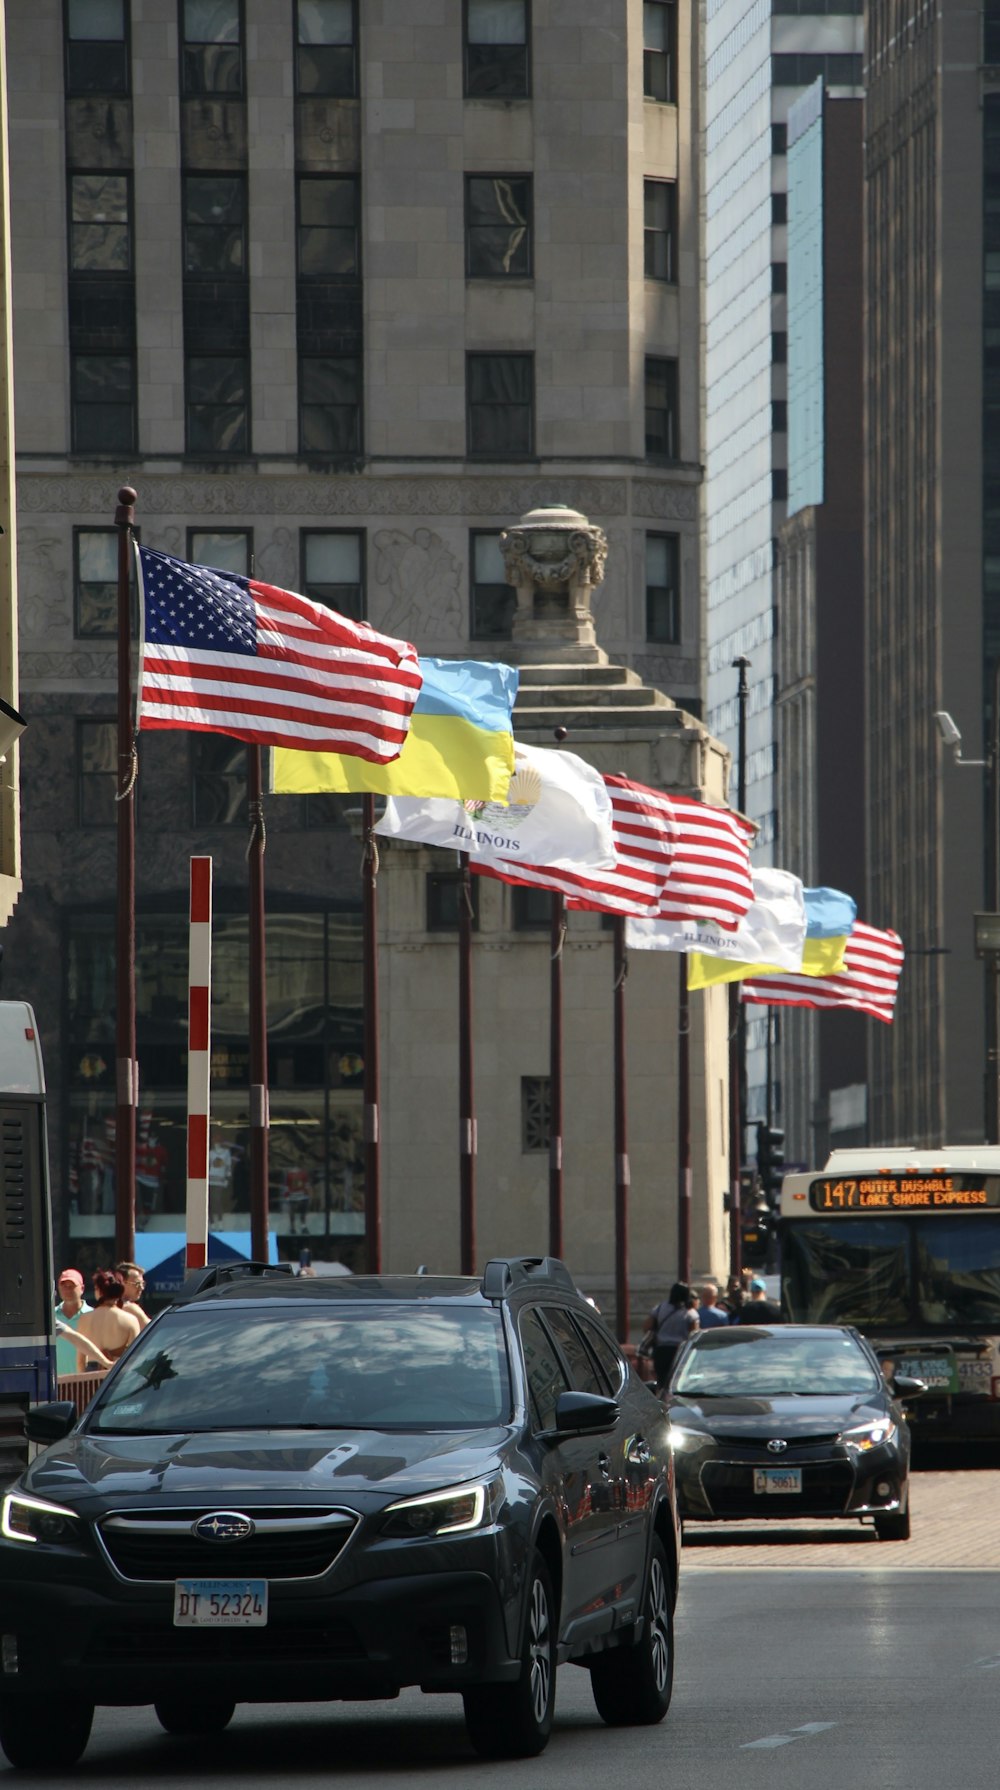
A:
(906, 1387)
(579, 1413)
(50, 1423)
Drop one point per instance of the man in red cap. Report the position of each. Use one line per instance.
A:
(71, 1304)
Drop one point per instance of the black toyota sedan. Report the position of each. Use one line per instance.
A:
(295, 1489)
(780, 1421)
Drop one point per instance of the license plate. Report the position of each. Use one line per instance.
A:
(936, 1371)
(777, 1479)
(749, 1236)
(220, 1603)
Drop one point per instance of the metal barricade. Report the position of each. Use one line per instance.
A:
(79, 1388)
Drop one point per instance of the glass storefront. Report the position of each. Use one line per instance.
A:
(315, 1069)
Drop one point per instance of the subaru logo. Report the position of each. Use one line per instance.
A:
(777, 1446)
(224, 1525)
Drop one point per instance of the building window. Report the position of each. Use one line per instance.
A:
(662, 592)
(779, 484)
(531, 909)
(500, 391)
(326, 809)
(661, 408)
(492, 599)
(779, 208)
(330, 405)
(660, 229)
(779, 276)
(224, 549)
(333, 570)
(218, 404)
(325, 49)
(779, 139)
(215, 225)
(211, 51)
(99, 234)
(804, 69)
(659, 50)
(96, 47)
(496, 49)
(498, 226)
(536, 1113)
(103, 403)
(97, 772)
(779, 347)
(218, 779)
(328, 245)
(95, 582)
(444, 892)
(779, 416)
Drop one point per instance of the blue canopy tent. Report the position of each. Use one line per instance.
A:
(160, 1254)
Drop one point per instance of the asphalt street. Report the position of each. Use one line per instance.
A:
(803, 1658)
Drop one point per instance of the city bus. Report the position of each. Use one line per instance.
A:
(27, 1322)
(905, 1245)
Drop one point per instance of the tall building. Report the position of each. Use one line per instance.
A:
(341, 290)
(10, 842)
(932, 220)
(759, 56)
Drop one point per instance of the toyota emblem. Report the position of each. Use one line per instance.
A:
(224, 1525)
(777, 1446)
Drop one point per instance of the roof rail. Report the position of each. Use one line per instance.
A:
(202, 1280)
(504, 1273)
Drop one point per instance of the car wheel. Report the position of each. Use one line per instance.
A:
(632, 1685)
(194, 1718)
(514, 1721)
(894, 1526)
(36, 1738)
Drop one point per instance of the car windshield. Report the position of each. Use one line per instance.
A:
(377, 1366)
(751, 1363)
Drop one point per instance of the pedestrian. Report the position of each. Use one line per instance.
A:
(758, 1308)
(670, 1324)
(735, 1297)
(135, 1286)
(109, 1325)
(710, 1312)
(68, 1310)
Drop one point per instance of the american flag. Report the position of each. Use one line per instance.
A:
(668, 850)
(643, 836)
(868, 982)
(710, 876)
(225, 654)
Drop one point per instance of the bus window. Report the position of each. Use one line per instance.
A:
(846, 1271)
(958, 1271)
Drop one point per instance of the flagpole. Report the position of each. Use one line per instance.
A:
(373, 1153)
(259, 1106)
(683, 1124)
(126, 1065)
(737, 1017)
(466, 1096)
(622, 1176)
(558, 939)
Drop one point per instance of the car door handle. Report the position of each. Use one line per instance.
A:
(604, 1465)
(637, 1451)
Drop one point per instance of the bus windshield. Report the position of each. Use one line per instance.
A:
(883, 1272)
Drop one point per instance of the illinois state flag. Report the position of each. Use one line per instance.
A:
(225, 654)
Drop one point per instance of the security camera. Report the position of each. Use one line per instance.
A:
(12, 725)
(950, 734)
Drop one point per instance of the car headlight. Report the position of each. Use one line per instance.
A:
(680, 1438)
(456, 1511)
(870, 1435)
(35, 1519)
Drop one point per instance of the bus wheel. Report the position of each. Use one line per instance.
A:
(34, 1741)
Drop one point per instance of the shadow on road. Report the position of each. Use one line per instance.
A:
(846, 1534)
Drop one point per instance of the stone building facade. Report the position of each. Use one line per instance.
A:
(342, 291)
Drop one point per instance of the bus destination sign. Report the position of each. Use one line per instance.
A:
(904, 1192)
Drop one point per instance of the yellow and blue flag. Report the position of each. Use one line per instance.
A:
(830, 916)
(460, 743)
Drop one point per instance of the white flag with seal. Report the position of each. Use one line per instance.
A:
(558, 813)
(772, 932)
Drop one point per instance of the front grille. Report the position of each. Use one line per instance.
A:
(288, 1544)
(755, 1445)
(826, 1488)
(127, 1646)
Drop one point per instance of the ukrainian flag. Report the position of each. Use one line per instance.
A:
(830, 916)
(460, 743)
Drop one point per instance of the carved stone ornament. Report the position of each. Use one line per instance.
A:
(552, 548)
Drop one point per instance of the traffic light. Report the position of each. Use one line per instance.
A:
(770, 1160)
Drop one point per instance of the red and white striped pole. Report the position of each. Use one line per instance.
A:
(199, 1060)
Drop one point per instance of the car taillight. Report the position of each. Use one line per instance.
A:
(995, 1386)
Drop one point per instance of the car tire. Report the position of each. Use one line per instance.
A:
(514, 1721)
(632, 1685)
(184, 1717)
(35, 1737)
(894, 1526)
